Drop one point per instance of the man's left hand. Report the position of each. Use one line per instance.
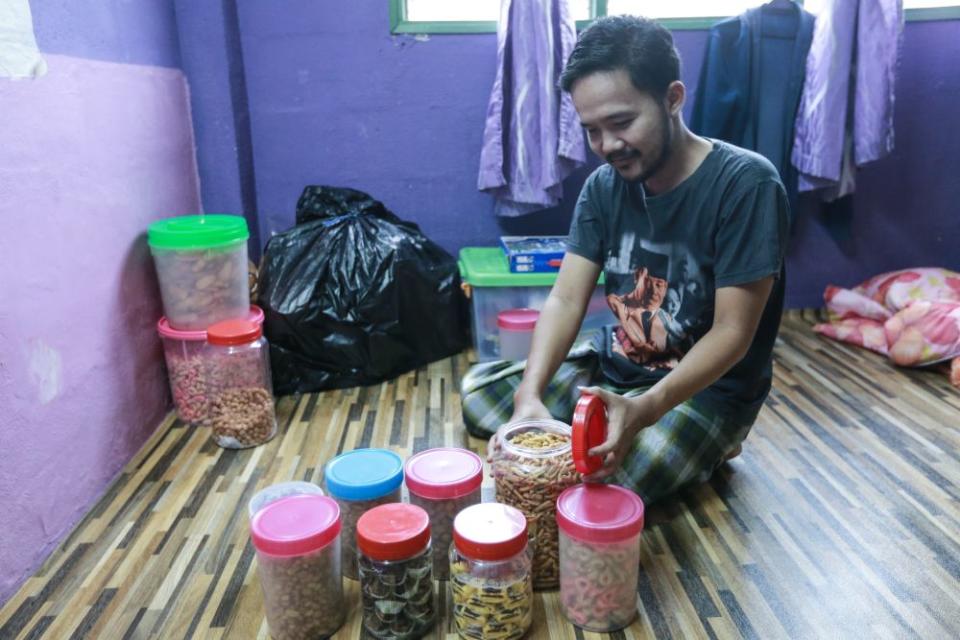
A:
(625, 418)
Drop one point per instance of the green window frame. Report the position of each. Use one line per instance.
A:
(400, 24)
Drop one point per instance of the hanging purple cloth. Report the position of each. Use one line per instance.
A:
(845, 118)
(532, 139)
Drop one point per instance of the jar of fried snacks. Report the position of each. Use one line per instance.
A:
(297, 541)
(443, 481)
(396, 584)
(490, 576)
(600, 528)
(532, 465)
(360, 480)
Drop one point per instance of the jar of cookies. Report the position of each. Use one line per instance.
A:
(237, 379)
(395, 566)
(600, 528)
(360, 480)
(490, 573)
(202, 268)
(297, 542)
(443, 481)
(532, 465)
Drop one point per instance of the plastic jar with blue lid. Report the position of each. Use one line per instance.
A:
(360, 480)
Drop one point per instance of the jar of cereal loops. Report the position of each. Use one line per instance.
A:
(238, 383)
(297, 541)
(490, 573)
(443, 482)
(202, 268)
(532, 465)
(396, 582)
(185, 353)
(600, 528)
(360, 480)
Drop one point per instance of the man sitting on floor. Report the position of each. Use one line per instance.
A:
(690, 234)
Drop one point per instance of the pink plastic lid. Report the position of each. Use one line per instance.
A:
(443, 473)
(393, 531)
(490, 531)
(600, 512)
(296, 525)
(518, 319)
(164, 329)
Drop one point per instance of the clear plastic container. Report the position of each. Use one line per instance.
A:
(274, 492)
(396, 582)
(600, 527)
(490, 573)
(297, 541)
(202, 268)
(516, 332)
(238, 381)
(532, 465)
(443, 482)
(186, 355)
(360, 480)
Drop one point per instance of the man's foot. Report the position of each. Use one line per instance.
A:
(733, 454)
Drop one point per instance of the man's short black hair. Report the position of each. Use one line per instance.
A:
(642, 47)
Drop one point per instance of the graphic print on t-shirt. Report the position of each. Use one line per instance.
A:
(658, 294)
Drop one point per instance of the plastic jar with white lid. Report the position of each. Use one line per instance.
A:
(443, 481)
(297, 542)
(490, 573)
(360, 480)
(237, 377)
(395, 567)
(600, 527)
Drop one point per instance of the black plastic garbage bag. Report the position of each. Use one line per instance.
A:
(354, 296)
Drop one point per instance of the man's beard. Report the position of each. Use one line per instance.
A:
(666, 147)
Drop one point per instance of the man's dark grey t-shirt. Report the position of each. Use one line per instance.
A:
(664, 257)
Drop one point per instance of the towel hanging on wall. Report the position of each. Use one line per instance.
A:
(532, 138)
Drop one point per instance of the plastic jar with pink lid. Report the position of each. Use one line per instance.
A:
(516, 332)
(186, 355)
(443, 482)
(297, 541)
(490, 576)
(600, 527)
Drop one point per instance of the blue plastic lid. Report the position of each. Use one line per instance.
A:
(364, 474)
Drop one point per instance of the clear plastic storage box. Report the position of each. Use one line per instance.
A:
(493, 288)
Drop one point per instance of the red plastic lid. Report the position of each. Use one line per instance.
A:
(589, 430)
(600, 512)
(490, 531)
(443, 473)
(232, 332)
(165, 330)
(518, 319)
(296, 525)
(393, 531)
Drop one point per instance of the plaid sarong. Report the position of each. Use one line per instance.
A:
(685, 446)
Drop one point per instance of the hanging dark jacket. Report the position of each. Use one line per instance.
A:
(751, 81)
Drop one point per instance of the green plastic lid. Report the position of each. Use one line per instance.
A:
(197, 232)
(488, 267)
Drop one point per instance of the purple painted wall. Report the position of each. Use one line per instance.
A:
(92, 153)
(335, 99)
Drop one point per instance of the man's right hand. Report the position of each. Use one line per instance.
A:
(524, 408)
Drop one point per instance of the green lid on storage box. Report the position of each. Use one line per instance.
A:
(197, 232)
(488, 267)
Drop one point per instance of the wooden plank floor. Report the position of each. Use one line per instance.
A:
(840, 519)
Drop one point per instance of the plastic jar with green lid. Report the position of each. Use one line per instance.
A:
(202, 267)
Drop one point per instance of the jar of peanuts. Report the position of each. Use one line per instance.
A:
(396, 582)
(532, 465)
(360, 480)
(600, 528)
(185, 353)
(443, 482)
(238, 385)
(490, 573)
(297, 541)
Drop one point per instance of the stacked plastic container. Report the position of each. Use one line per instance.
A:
(221, 378)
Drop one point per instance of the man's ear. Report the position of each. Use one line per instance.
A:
(675, 97)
